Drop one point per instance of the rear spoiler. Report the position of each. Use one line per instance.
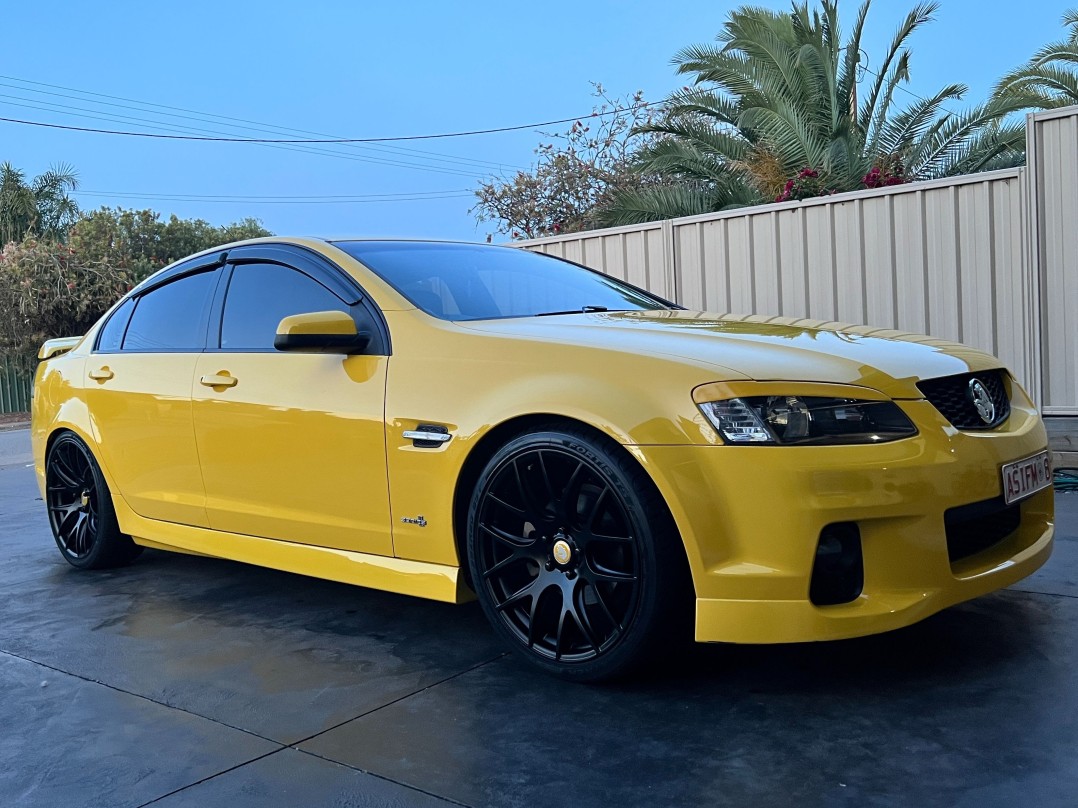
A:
(55, 347)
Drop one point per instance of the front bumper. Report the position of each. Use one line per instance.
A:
(751, 517)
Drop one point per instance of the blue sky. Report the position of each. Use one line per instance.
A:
(360, 69)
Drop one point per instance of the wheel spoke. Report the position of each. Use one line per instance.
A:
(508, 561)
(537, 508)
(64, 509)
(612, 539)
(594, 511)
(561, 631)
(505, 537)
(546, 477)
(67, 479)
(73, 464)
(602, 605)
(571, 494)
(603, 574)
(528, 590)
(64, 519)
(80, 538)
(504, 504)
(532, 613)
(580, 616)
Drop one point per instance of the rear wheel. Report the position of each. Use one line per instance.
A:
(80, 507)
(574, 557)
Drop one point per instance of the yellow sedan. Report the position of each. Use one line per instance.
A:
(605, 471)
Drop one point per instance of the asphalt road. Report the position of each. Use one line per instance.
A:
(185, 681)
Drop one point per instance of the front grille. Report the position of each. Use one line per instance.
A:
(972, 529)
(951, 396)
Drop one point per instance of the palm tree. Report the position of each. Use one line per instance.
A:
(780, 98)
(1050, 79)
(43, 207)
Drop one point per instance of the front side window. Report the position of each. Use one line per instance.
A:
(475, 282)
(260, 296)
(170, 317)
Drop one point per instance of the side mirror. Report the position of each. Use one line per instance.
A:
(320, 332)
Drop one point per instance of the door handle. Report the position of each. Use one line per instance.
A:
(101, 375)
(219, 380)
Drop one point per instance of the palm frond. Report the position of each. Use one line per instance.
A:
(919, 15)
(670, 202)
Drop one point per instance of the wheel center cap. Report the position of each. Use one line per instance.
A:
(563, 553)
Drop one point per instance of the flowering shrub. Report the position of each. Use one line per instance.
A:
(805, 185)
(887, 172)
(576, 174)
(46, 291)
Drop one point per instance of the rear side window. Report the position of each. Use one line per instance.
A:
(260, 296)
(170, 317)
(112, 334)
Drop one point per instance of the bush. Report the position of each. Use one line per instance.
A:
(46, 291)
(140, 241)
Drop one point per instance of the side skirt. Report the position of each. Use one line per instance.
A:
(417, 578)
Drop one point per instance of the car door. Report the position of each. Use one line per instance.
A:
(292, 445)
(139, 394)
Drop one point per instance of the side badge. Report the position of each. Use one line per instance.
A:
(419, 520)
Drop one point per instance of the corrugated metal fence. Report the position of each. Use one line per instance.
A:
(16, 376)
(1053, 215)
(951, 258)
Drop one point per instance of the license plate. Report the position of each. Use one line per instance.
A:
(1025, 477)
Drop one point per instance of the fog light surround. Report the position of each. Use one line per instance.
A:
(838, 572)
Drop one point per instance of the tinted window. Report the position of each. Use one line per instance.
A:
(169, 318)
(113, 333)
(473, 282)
(260, 296)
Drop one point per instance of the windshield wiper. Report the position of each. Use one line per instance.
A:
(581, 310)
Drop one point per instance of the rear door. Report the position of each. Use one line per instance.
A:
(292, 445)
(139, 395)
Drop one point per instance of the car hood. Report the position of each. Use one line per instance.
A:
(760, 348)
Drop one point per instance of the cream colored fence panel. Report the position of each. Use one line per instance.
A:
(1053, 146)
(947, 258)
(634, 254)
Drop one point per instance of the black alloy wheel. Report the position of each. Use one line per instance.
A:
(80, 508)
(562, 549)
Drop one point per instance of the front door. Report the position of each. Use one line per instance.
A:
(292, 446)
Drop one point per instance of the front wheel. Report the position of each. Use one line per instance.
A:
(80, 507)
(574, 557)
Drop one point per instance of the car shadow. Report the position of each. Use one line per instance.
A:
(970, 639)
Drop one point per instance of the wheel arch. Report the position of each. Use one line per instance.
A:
(47, 437)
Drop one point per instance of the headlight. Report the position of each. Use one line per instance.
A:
(793, 420)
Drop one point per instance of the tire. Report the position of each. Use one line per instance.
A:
(81, 512)
(574, 557)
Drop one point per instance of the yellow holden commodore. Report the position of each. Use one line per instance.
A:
(599, 467)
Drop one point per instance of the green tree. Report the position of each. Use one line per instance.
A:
(1050, 79)
(137, 240)
(42, 207)
(783, 103)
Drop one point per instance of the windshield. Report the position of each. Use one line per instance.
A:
(476, 282)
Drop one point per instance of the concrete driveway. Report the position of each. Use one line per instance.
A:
(184, 681)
